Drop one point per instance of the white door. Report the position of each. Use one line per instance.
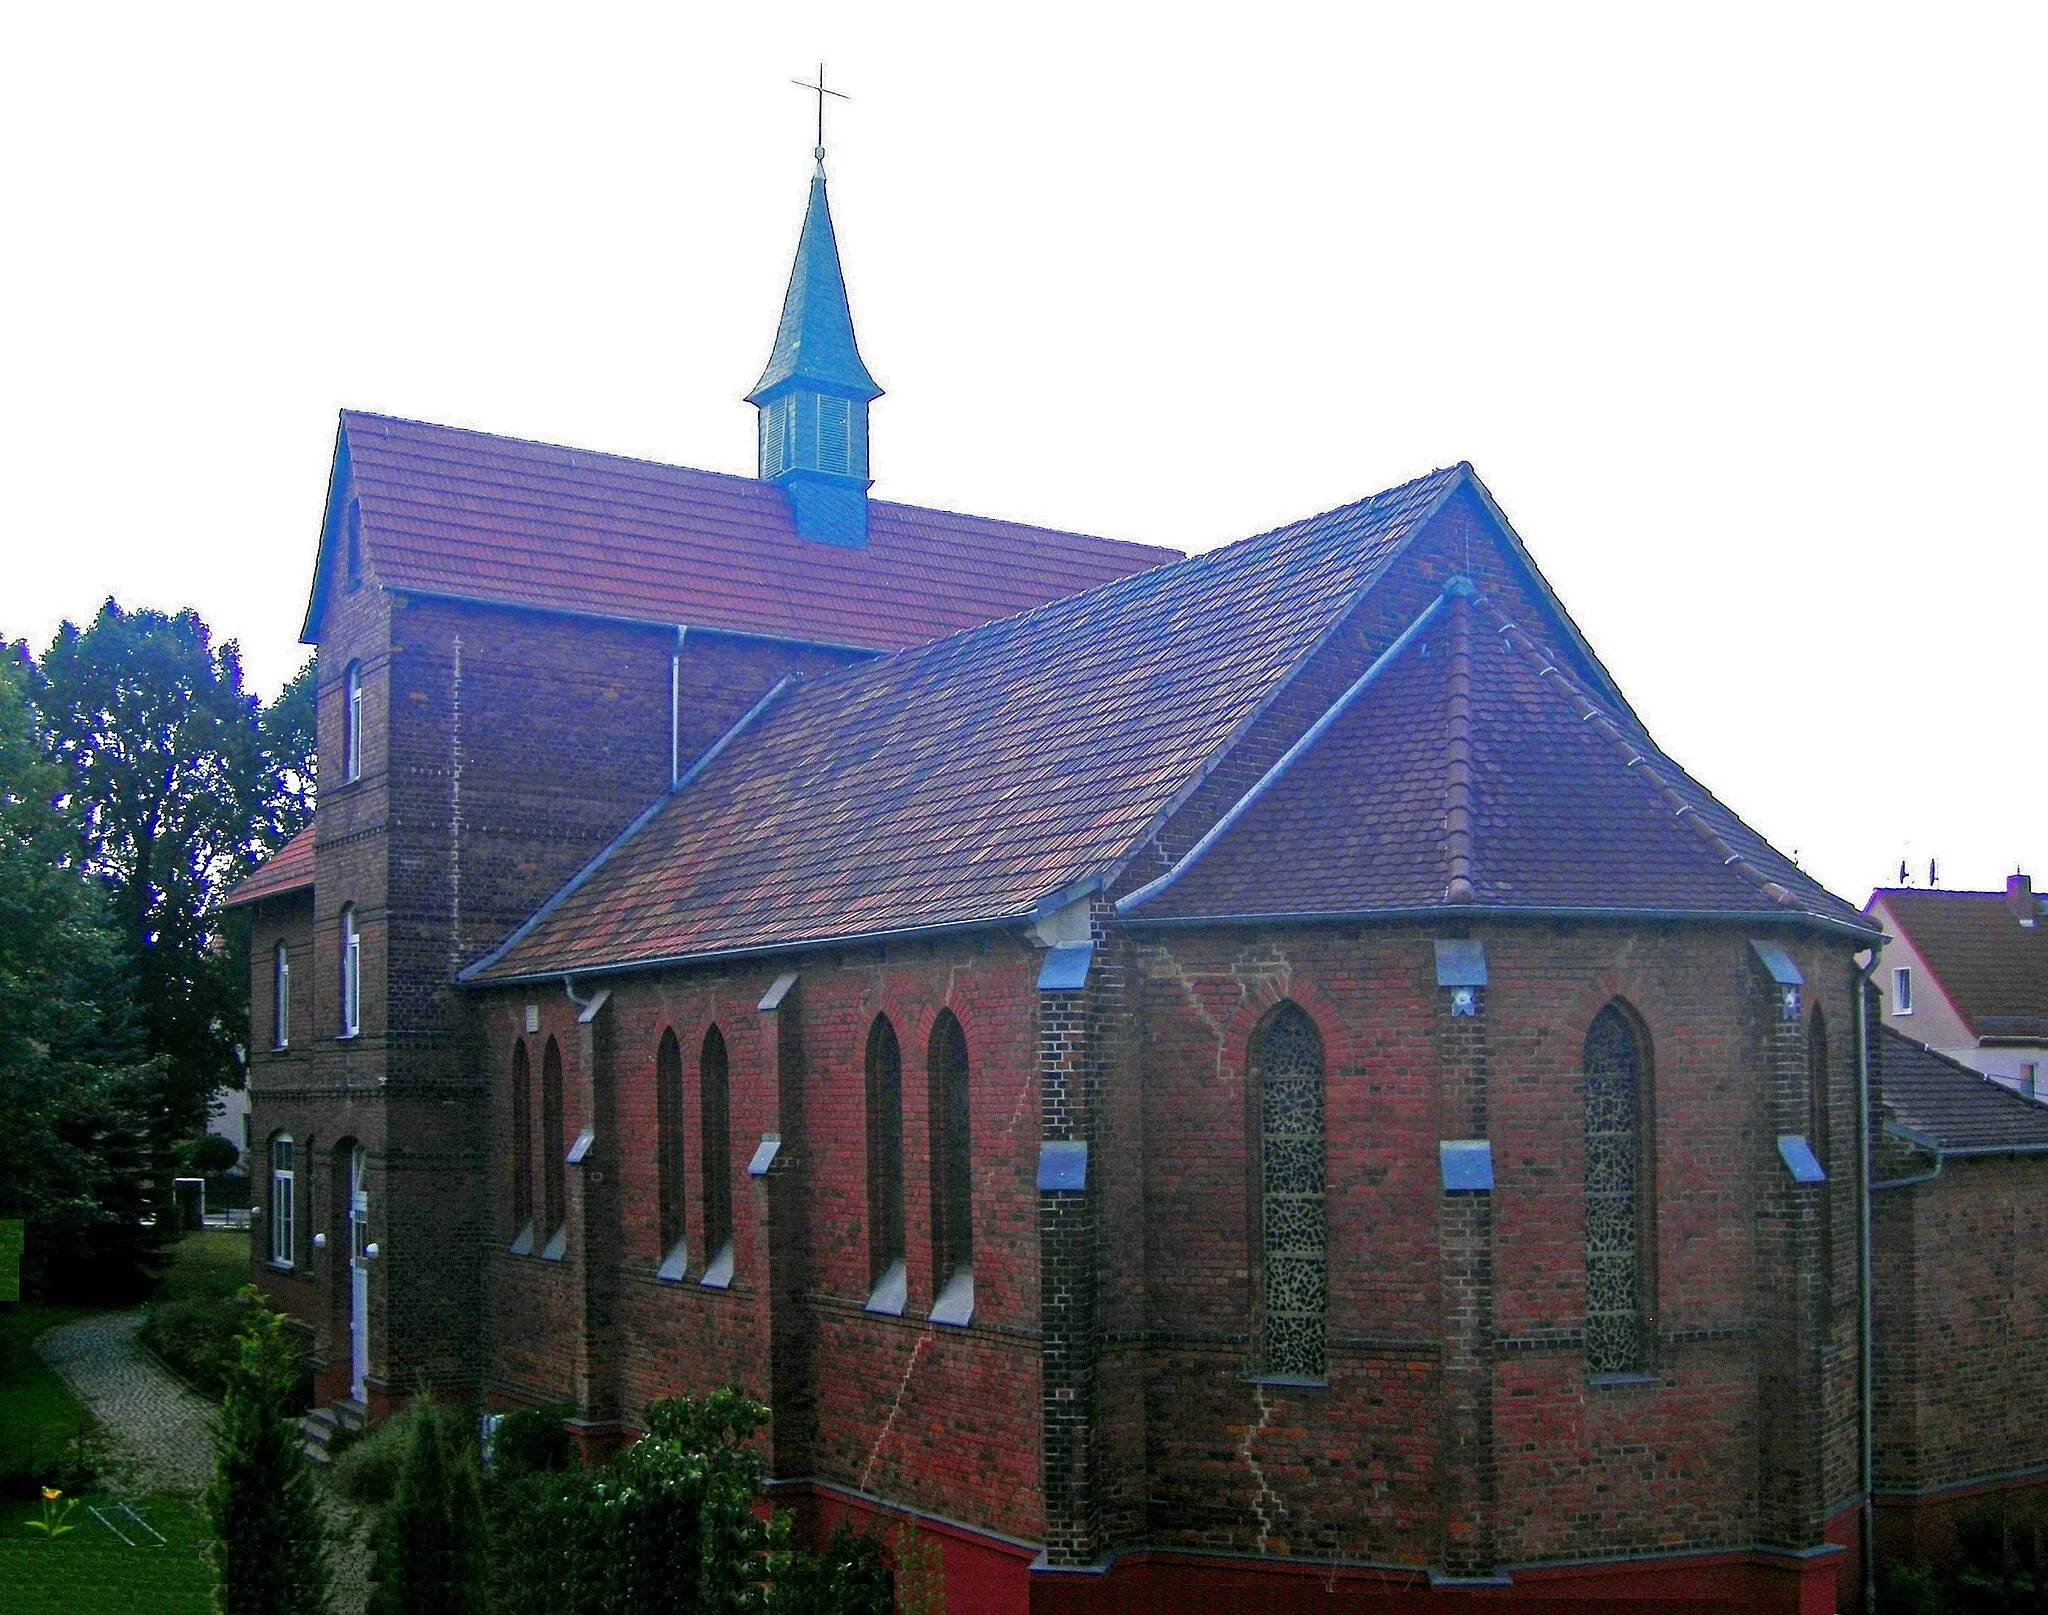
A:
(358, 1274)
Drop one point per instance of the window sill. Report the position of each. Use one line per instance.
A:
(1598, 1382)
(1296, 1382)
(276, 1266)
(718, 1276)
(890, 1292)
(348, 1037)
(674, 1266)
(558, 1242)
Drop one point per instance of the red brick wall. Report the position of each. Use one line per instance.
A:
(1961, 1298)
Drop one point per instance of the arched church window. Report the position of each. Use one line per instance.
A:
(714, 1125)
(1616, 1069)
(1287, 1062)
(554, 1173)
(352, 725)
(952, 1161)
(886, 1276)
(354, 570)
(522, 1144)
(668, 1153)
(351, 972)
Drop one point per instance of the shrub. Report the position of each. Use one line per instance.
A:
(366, 1469)
(270, 1545)
(430, 1540)
(849, 1576)
(195, 1340)
(532, 1441)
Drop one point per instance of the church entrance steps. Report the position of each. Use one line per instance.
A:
(323, 1425)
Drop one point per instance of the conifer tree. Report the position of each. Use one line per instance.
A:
(270, 1543)
(430, 1540)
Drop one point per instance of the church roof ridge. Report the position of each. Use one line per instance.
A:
(453, 510)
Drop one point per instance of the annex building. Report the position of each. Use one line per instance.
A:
(1245, 1077)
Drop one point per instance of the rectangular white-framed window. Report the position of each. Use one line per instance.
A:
(281, 999)
(283, 1210)
(1902, 990)
(351, 973)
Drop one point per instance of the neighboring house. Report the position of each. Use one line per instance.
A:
(1959, 1241)
(1967, 973)
(1250, 1081)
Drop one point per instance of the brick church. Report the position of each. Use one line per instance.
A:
(1247, 1080)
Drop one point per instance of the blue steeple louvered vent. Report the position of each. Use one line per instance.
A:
(814, 395)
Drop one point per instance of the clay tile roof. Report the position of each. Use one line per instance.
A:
(451, 512)
(1943, 1103)
(289, 869)
(963, 780)
(1993, 969)
(1569, 805)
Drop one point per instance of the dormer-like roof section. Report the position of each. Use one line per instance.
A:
(289, 869)
(474, 516)
(1472, 770)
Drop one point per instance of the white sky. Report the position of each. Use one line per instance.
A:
(1738, 310)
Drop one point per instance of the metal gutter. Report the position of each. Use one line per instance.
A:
(417, 593)
(758, 950)
(1505, 911)
(1315, 731)
(1866, 1396)
(582, 875)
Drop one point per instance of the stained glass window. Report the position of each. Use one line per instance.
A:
(1614, 1277)
(1289, 1065)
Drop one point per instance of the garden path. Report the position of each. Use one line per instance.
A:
(159, 1434)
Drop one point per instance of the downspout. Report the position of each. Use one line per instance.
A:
(675, 707)
(1867, 1416)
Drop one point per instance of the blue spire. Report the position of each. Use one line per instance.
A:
(814, 395)
(814, 343)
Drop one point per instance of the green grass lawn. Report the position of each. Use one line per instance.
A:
(204, 1267)
(38, 1414)
(92, 1572)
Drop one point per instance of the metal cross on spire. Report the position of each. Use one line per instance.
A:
(819, 90)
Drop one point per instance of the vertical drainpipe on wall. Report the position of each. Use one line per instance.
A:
(1867, 1391)
(675, 707)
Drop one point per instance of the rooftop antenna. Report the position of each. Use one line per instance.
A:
(820, 91)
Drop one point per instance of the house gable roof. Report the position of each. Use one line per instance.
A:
(1991, 968)
(1942, 1104)
(471, 515)
(964, 781)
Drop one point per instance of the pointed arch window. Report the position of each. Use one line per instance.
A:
(714, 1126)
(281, 997)
(354, 564)
(952, 1166)
(522, 1150)
(1618, 1183)
(886, 1273)
(351, 972)
(554, 1173)
(1287, 1058)
(352, 725)
(668, 1155)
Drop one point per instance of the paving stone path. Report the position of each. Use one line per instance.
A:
(159, 1435)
